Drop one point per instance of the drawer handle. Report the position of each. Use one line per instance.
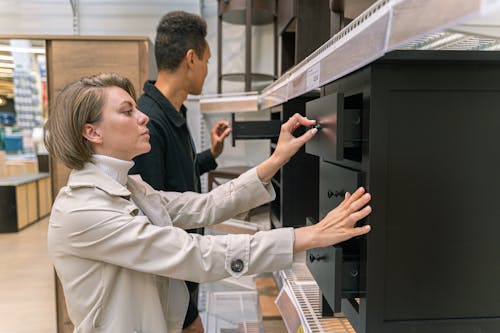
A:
(335, 193)
(317, 257)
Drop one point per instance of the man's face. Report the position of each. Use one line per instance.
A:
(200, 71)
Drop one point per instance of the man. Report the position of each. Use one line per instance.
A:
(182, 54)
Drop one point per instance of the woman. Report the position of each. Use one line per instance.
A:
(118, 246)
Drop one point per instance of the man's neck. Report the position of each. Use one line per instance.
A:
(172, 86)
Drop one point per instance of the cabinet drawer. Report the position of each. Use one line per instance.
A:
(336, 276)
(340, 133)
(335, 181)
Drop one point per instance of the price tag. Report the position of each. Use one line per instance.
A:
(312, 77)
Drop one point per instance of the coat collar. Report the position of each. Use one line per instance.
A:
(91, 176)
(177, 118)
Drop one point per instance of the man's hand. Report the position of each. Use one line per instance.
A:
(218, 133)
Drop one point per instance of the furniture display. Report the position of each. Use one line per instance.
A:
(24, 199)
(343, 12)
(303, 26)
(248, 13)
(409, 125)
(413, 128)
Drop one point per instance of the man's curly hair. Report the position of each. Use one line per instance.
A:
(177, 33)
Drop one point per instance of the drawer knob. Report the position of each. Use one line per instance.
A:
(335, 193)
(317, 257)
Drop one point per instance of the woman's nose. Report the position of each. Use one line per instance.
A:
(143, 119)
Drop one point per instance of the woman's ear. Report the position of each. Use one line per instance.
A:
(91, 133)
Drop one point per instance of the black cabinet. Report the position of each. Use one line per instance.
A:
(426, 128)
(303, 26)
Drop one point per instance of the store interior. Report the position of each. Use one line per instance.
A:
(413, 86)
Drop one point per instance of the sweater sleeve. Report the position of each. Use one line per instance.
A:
(205, 161)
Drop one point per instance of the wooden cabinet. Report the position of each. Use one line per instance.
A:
(44, 196)
(24, 199)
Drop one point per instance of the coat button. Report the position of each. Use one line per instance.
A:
(237, 265)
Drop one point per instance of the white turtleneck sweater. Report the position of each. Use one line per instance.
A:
(113, 167)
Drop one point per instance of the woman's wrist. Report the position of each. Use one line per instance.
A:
(267, 169)
(305, 238)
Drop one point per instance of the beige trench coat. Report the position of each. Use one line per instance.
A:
(121, 271)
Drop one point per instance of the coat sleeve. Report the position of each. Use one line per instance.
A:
(193, 210)
(97, 230)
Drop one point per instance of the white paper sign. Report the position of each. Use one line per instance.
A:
(312, 77)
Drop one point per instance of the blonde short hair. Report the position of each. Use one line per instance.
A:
(79, 103)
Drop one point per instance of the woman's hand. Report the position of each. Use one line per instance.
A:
(287, 146)
(338, 225)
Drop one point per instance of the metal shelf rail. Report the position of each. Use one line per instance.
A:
(307, 297)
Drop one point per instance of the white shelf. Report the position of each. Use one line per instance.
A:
(386, 26)
(233, 103)
(306, 298)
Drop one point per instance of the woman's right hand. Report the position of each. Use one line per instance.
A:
(338, 225)
(287, 145)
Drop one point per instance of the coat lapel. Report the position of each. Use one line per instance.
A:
(149, 201)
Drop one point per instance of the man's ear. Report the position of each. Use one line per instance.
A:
(91, 133)
(190, 58)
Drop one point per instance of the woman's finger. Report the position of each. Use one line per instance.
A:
(360, 203)
(361, 230)
(360, 214)
(295, 121)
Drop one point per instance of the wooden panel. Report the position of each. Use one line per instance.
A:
(18, 167)
(44, 197)
(2, 164)
(32, 199)
(68, 60)
(22, 206)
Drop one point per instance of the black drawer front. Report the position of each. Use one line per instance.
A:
(340, 134)
(335, 181)
(336, 276)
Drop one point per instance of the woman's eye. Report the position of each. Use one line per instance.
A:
(128, 112)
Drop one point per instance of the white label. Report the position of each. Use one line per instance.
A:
(312, 79)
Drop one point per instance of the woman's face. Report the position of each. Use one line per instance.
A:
(121, 132)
